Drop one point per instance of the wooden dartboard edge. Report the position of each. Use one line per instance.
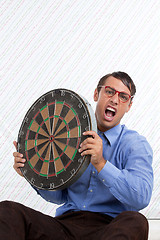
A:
(93, 127)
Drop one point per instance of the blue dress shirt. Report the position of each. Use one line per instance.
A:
(124, 184)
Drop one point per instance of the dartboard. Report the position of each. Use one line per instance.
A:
(49, 139)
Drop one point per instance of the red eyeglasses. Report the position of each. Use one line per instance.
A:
(110, 92)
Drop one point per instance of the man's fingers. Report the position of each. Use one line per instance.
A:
(18, 165)
(90, 142)
(87, 141)
(86, 146)
(90, 133)
(87, 152)
(18, 170)
(17, 154)
(15, 144)
(19, 160)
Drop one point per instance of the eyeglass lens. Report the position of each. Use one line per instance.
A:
(124, 97)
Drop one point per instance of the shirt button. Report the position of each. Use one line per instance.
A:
(84, 206)
(93, 172)
(103, 180)
(91, 190)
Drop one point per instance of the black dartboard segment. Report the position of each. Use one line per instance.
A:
(49, 139)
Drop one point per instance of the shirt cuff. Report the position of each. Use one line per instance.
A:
(109, 174)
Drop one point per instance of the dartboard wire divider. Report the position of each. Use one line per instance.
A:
(49, 138)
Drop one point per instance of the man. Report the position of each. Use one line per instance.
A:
(104, 202)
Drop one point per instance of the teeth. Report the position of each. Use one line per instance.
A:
(111, 109)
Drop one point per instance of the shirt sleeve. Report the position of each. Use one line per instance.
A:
(133, 183)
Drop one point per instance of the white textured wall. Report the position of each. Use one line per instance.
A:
(71, 44)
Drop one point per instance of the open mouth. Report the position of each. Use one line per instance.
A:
(110, 113)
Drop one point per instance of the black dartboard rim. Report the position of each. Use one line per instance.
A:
(49, 139)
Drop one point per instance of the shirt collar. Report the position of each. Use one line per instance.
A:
(112, 134)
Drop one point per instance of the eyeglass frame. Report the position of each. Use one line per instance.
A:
(130, 96)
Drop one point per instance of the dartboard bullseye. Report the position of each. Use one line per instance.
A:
(49, 139)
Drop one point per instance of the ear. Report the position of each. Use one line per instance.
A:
(96, 95)
(129, 106)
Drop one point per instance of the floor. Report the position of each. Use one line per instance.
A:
(154, 230)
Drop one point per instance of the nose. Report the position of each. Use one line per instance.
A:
(115, 99)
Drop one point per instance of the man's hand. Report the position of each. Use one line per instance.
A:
(93, 146)
(18, 160)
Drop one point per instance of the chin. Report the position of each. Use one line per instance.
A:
(108, 126)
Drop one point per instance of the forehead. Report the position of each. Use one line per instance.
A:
(117, 84)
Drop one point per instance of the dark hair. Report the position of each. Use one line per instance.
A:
(124, 77)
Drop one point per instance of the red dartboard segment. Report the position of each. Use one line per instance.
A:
(36, 115)
(49, 138)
